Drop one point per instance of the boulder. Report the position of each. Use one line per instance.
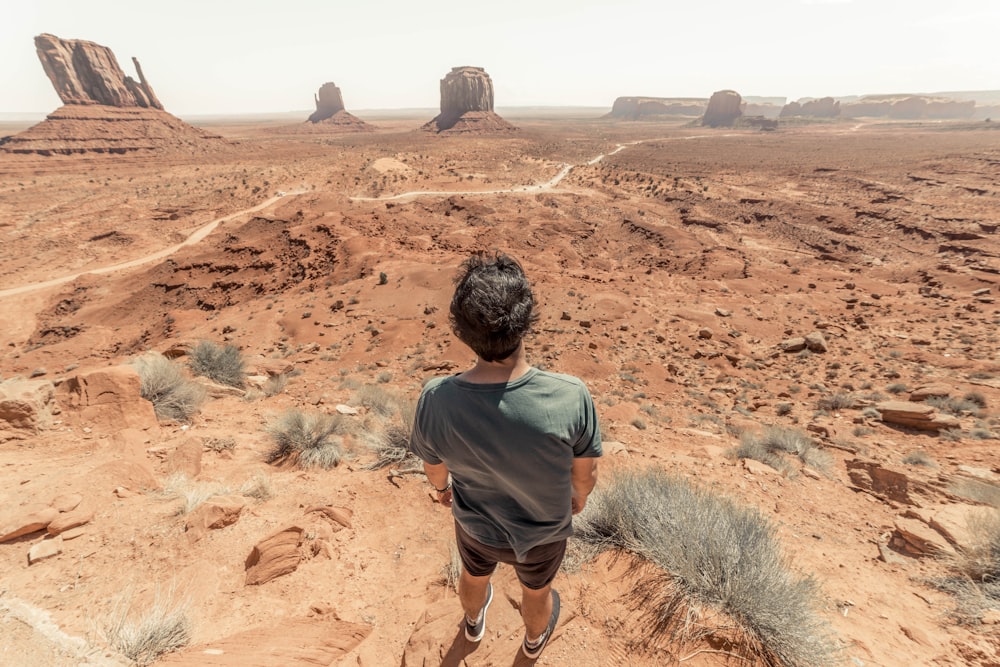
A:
(915, 538)
(796, 344)
(87, 73)
(467, 104)
(935, 390)
(75, 518)
(47, 548)
(816, 342)
(215, 513)
(881, 482)
(274, 556)
(185, 459)
(21, 521)
(108, 398)
(915, 415)
(26, 407)
(724, 108)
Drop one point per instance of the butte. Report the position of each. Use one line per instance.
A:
(104, 111)
(467, 105)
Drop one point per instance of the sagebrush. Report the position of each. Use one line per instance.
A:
(719, 569)
(311, 440)
(143, 635)
(222, 363)
(163, 384)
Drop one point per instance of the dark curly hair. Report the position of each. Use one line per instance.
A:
(493, 306)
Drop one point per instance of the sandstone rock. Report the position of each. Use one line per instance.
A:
(467, 104)
(915, 415)
(916, 538)
(215, 513)
(274, 556)
(815, 342)
(638, 108)
(108, 398)
(704, 333)
(796, 344)
(47, 548)
(724, 109)
(341, 516)
(950, 521)
(935, 390)
(67, 520)
(882, 482)
(909, 107)
(66, 502)
(21, 521)
(321, 639)
(87, 73)
(185, 457)
(330, 114)
(25, 407)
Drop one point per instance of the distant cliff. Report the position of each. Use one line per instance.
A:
(637, 108)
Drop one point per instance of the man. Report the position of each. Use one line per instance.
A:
(510, 448)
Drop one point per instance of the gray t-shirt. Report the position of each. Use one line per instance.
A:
(510, 450)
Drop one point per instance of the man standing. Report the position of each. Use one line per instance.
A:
(510, 448)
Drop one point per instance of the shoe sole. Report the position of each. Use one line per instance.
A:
(553, 619)
(474, 638)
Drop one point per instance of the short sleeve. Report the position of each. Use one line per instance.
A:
(420, 442)
(588, 442)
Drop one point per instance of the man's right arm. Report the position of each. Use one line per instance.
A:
(584, 477)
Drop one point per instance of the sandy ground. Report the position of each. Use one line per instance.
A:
(669, 272)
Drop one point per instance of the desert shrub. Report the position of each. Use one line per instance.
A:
(452, 570)
(226, 444)
(311, 440)
(871, 412)
(975, 398)
(950, 434)
(257, 487)
(862, 430)
(163, 384)
(378, 400)
(144, 635)
(388, 437)
(717, 564)
(919, 458)
(896, 388)
(782, 409)
(837, 402)
(768, 447)
(221, 363)
(639, 423)
(974, 577)
(953, 405)
(274, 385)
(191, 493)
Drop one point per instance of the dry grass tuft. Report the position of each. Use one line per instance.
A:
(311, 440)
(721, 572)
(222, 363)
(143, 635)
(163, 384)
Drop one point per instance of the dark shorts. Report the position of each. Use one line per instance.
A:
(536, 572)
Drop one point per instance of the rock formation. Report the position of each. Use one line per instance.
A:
(910, 107)
(330, 113)
(636, 108)
(87, 73)
(467, 104)
(826, 107)
(103, 110)
(724, 109)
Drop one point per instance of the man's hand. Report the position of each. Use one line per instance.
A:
(437, 475)
(579, 502)
(445, 498)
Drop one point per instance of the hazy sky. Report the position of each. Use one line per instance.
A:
(226, 56)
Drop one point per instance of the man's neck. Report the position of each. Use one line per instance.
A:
(496, 372)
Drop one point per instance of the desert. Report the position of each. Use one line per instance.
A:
(798, 319)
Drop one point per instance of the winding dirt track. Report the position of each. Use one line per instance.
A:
(196, 236)
(206, 229)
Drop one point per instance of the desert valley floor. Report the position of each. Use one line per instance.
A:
(675, 265)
